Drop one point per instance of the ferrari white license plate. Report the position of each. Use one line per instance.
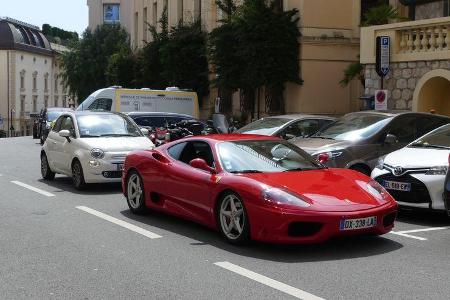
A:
(355, 224)
(398, 186)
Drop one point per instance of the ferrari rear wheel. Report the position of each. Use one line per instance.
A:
(135, 194)
(233, 220)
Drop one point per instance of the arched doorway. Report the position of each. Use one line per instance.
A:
(433, 92)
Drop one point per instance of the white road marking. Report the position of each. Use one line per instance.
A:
(297, 293)
(406, 233)
(121, 223)
(408, 236)
(32, 188)
(424, 229)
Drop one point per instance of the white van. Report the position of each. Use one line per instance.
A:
(119, 99)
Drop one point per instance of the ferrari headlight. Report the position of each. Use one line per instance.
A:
(376, 190)
(279, 196)
(438, 170)
(97, 153)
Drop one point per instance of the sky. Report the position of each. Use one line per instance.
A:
(70, 15)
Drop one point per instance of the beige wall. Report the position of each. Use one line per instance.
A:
(4, 89)
(329, 43)
(96, 12)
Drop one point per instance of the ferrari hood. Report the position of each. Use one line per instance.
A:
(327, 189)
(118, 144)
(313, 145)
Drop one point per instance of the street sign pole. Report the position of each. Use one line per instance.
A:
(383, 57)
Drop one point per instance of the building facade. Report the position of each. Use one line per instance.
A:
(109, 12)
(419, 77)
(30, 76)
(329, 43)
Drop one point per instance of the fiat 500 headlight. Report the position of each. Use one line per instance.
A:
(97, 153)
(279, 196)
(438, 170)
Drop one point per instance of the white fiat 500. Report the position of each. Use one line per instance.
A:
(415, 175)
(91, 146)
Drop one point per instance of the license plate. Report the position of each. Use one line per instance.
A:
(119, 167)
(398, 186)
(354, 224)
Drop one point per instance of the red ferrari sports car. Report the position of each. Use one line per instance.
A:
(256, 187)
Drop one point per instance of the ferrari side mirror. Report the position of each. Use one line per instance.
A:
(200, 163)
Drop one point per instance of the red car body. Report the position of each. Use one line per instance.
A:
(334, 194)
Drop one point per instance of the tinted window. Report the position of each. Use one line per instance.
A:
(439, 138)
(404, 128)
(57, 126)
(101, 103)
(265, 126)
(175, 151)
(197, 150)
(156, 121)
(427, 124)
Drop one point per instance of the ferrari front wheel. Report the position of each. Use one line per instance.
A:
(135, 194)
(233, 220)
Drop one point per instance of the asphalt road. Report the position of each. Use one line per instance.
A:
(58, 243)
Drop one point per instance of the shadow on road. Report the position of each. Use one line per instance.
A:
(335, 249)
(423, 217)
(64, 184)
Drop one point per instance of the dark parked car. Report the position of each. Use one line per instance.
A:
(46, 117)
(359, 139)
(287, 126)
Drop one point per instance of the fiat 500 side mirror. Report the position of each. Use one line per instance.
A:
(66, 134)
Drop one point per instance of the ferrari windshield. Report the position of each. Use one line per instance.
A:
(354, 126)
(439, 138)
(266, 126)
(106, 125)
(261, 156)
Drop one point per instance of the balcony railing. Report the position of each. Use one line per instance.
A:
(422, 40)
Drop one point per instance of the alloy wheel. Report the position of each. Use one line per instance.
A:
(232, 217)
(134, 191)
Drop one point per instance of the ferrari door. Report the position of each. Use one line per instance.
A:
(188, 188)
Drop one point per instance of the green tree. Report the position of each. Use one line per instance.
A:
(84, 67)
(184, 58)
(121, 68)
(55, 34)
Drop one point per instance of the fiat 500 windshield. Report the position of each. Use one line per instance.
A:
(106, 126)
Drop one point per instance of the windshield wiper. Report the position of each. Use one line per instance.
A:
(420, 145)
(321, 137)
(89, 136)
(246, 171)
(294, 169)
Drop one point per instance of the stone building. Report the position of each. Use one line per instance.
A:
(419, 79)
(29, 75)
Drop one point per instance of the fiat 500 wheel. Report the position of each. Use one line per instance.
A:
(135, 194)
(233, 220)
(78, 176)
(46, 172)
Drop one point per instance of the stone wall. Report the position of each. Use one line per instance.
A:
(430, 10)
(401, 81)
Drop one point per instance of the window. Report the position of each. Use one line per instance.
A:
(155, 14)
(67, 124)
(46, 82)
(35, 103)
(157, 121)
(180, 8)
(136, 31)
(111, 13)
(404, 128)
(144, 24)
(56, 83)
(22, 103)
(22, 80)
(45, 101)
(64, 101)
(34, 81)
(195, 150)
(56, 101)
(101, 103)
(176, 150)
(428, 124)
(57, 126)
(300, 129)
(198, 10)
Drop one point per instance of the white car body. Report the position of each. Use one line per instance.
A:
(413, 165)
(62, 151)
